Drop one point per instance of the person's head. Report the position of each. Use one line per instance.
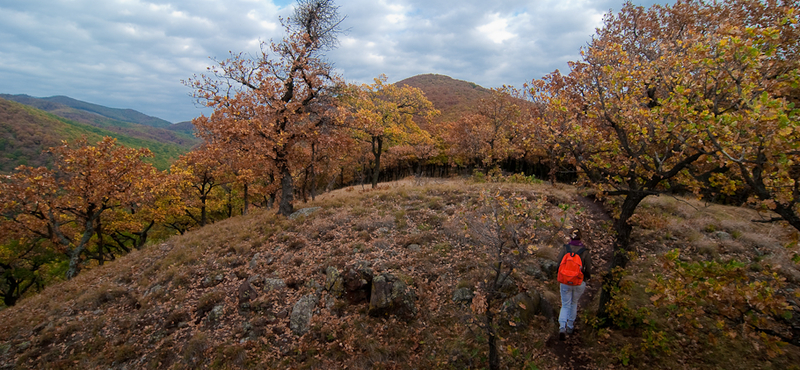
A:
(575, 235)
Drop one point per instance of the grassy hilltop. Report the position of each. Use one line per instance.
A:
(223, 296)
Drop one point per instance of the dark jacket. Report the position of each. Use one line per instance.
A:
(586, 257)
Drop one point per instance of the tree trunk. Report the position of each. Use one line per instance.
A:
(621, 257)
(203, 213)
(287, 191)
(246, 200)
(377, 148)
(143, 235)
(494, 356)
(10, 296)
(304, 186)
(229, 206)
(313, 172)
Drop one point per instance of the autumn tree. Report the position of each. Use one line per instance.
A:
(198, 174)
(66, 205)
(546, 122)
(383, 116)
(727, 296)
(491, 134)
(503, 225)
(661, 92)
(21, 263)
(626, 129)
(749, 99)
(272, 103)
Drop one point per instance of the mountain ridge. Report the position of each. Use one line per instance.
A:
(26, 132)
(119, 114)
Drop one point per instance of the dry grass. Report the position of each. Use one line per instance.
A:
(153, 303)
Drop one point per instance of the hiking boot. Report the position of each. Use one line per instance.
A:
(562, 334)
(570, 331)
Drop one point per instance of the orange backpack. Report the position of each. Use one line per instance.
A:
(570, 271)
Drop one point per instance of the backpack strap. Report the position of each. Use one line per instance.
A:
(578, 252)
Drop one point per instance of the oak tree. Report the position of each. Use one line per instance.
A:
(383, 116)
(491, 134)
(674, 94)
(68, 205)
(273, 102)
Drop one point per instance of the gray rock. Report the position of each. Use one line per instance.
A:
(274, 284)
(302, 312)
(216, 313)
(550, 268)
(522, 308)
(508, 288)
(721, 235)
(211, 281)
(303, 212)
(414, 247)
(334, 282)
(156, 289)
(536, 272)
(254, 261)
(330, 302)
(463, 295)
(246, 294)
(391, 296)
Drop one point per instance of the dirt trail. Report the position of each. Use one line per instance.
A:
(594, 222)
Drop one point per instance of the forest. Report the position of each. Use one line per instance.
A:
(694, 100)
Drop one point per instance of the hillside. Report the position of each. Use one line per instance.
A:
(126, 122)
(262, 291)
(450, 96)
(26, 131)
(60, 103)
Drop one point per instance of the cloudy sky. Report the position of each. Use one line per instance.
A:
(135, 53)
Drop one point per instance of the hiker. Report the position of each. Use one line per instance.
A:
(575, 267)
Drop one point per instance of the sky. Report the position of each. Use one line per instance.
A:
(136, 53)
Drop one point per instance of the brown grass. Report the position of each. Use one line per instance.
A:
(151, 302)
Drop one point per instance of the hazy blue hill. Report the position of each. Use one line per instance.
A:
(120, 121)
(25, 132)
(126, 115)
(185, 127)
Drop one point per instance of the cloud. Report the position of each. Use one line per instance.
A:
(135, 53)
(497, 29)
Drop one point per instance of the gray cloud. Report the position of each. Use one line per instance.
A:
(134, 53)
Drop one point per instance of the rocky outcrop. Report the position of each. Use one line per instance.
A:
(246, 293)
(303, 212)
(274, 284)
(520, 310)
(550, 268)
(357, 281)
(391, 296)
(302, 312)
(334, 282)
(463, 295)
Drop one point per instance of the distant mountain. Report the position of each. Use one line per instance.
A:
(121, 121)
(25, 132)
(450, 96)
(185, 127)
(124, 115)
